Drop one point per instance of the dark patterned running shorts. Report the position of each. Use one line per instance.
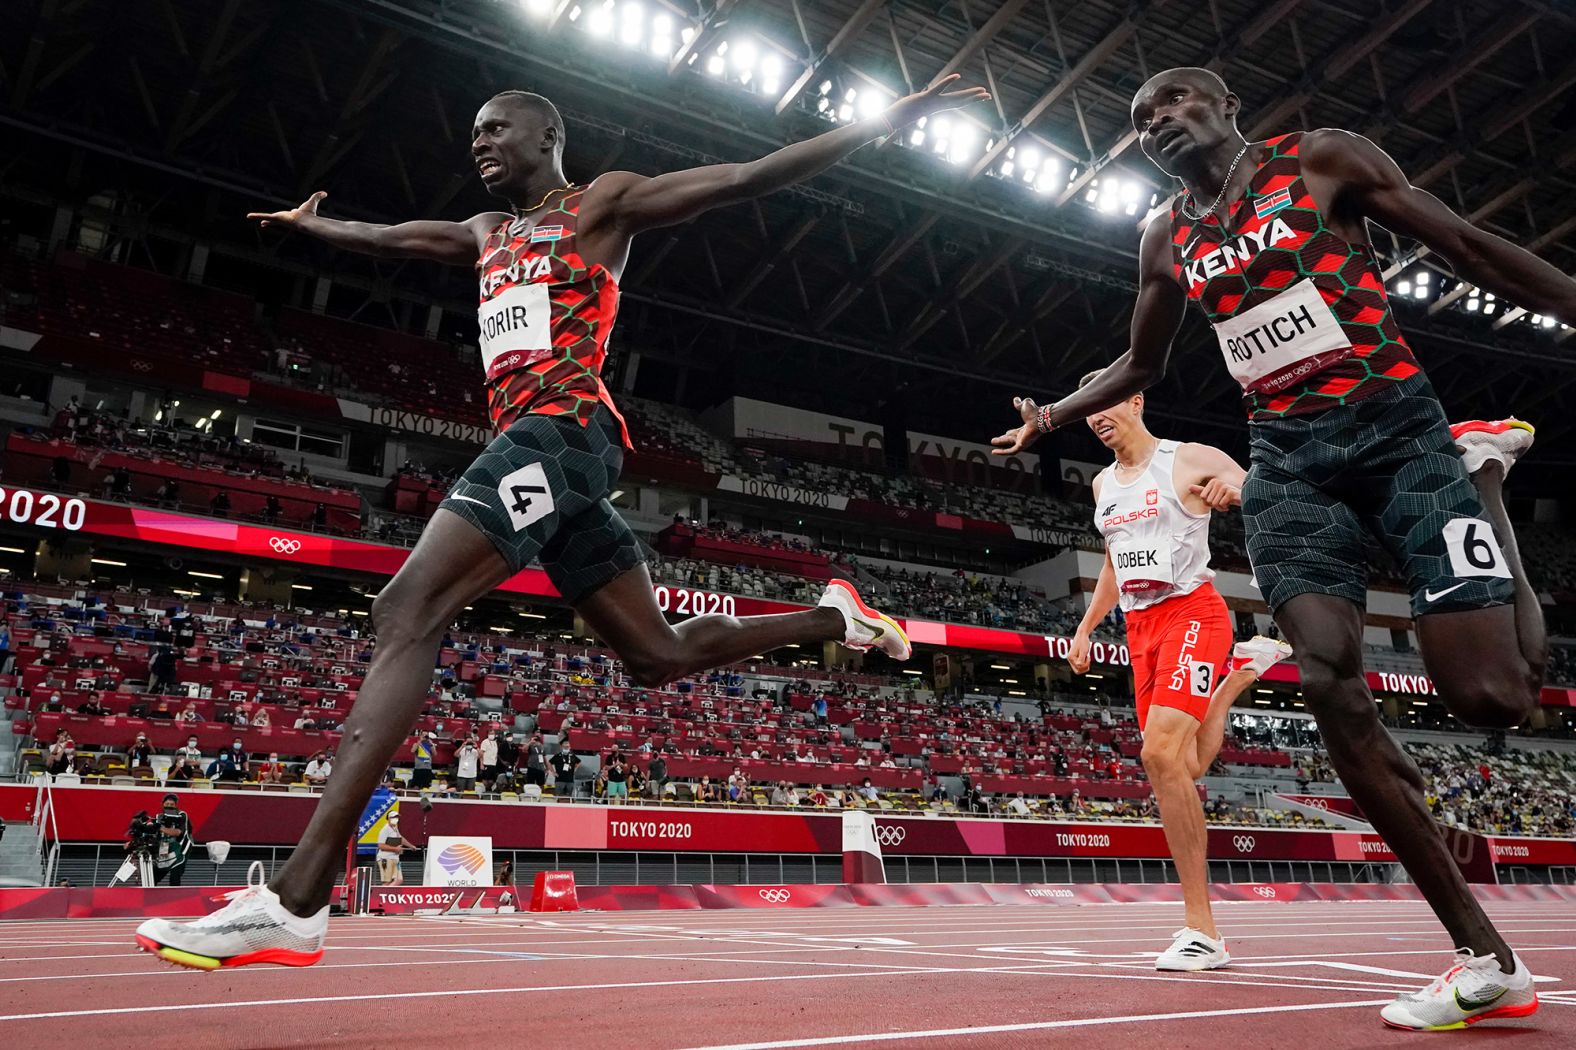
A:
(539, 492)
(1387, 466)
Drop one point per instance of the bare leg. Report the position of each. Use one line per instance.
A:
(625, 615)
(1488, 663)
(1169, 750)
(453, 565)
(1327, 633)
(1212, 733)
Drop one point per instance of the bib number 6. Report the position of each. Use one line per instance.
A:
(1473, 549)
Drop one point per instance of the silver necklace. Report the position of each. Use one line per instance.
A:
(1224, 186)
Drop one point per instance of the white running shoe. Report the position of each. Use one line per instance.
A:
(253, 928)
(864, 628)
(1474, 989)
(1193, 950)
(1261, 653)
(1503, 440)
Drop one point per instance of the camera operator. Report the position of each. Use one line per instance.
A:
(174, 842)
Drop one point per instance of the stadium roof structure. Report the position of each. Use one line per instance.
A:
(990, 253)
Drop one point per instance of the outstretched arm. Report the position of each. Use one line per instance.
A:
(447, 242)
(1156, 317)
(1367, 183)
(633, 203)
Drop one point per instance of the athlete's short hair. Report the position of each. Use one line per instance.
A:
(537, 104)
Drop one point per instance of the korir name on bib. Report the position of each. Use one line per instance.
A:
(516, 328)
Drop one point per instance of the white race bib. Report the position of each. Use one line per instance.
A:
(516, 328)
(1142, 567)
(1282, 340)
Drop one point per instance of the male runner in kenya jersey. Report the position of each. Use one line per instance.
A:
(1153, 507)
(548, 270)
(1271, 239)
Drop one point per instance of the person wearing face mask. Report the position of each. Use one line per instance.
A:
(272, 771)
(231, 765)
(391, 845)
(187, 763)
(175, 842)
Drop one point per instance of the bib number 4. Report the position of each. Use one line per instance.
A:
(526, 495)
(1473, 549)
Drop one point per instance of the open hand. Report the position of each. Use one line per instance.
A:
(1018, 438)
(291, 217)
(933, 99)
(1217, 495)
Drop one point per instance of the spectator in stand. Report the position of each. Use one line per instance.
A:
(637, 781)
(272, 509)
(467, 762)
(617, 779)
(162, 671)
(657, 775)
(1018, 806)
(273, 771)
(91, 706)
(318, 769)
(489, 758)
(231, 766)
(219, 506)
(260, 719)
(868, 791)
(189, 713)
(186, 764)
(5, 647)
(320, 517)
(61, 757)
(140, 754)
(564, 764)
(536, 761)
(426, 747)
(118, 483)
(707, 791)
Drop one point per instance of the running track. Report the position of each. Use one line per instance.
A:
(1306, 975)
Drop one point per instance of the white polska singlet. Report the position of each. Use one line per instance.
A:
(1158, 547)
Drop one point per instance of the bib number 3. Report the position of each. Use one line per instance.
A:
(1473, 549)
(526, 495)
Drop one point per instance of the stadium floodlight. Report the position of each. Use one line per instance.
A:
(1006, 169)
(1030, 158)
(1420, 291)
(1473, 305)
(1423, 277)
(1548, 322)
(826, 87)
(1047, 180)
(822, 106)
(916, 137)
(715, 65)
(538, 7)
(574, 13)
(872, 101)
(771, 73)
(600, 23)
(632, 24)
(845, 113)
(1404, 288)
(744, 56)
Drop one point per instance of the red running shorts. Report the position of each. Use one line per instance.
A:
(1180, 648)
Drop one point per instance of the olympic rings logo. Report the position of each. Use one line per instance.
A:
(775, 895)
(1243, 843)
(284, 545)
(891, 834)
(1265, 891)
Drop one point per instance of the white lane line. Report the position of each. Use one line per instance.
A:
(1037, 1026)
(523, 990)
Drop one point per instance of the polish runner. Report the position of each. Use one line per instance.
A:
(1153, 507)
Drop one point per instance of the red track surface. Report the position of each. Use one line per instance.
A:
(1306, 975)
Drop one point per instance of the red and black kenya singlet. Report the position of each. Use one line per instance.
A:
(545, 317)
(1300, 312)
